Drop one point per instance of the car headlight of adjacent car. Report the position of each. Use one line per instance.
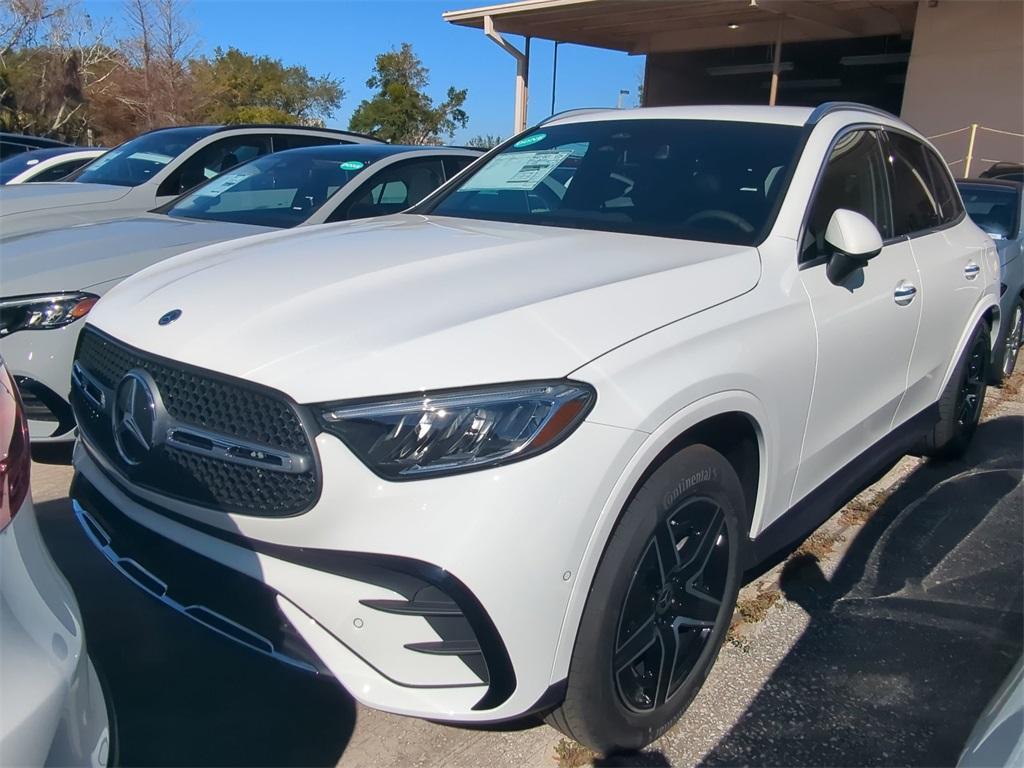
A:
(43, 311)
(406, 438)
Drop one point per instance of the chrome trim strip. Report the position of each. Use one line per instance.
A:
(86, 383)
(156, 587)
(218, 446)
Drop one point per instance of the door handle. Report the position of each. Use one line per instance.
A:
(904, 293)
(971, 270)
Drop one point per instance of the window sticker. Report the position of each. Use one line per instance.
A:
(352, 165)
(520, 170)
(223, 184)
(531, 139)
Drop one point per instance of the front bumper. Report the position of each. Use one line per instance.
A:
(54, 710)
(442, 599)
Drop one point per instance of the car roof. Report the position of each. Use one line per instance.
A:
(24, 139)
(371, 152)
(747, 113)
(986, 182)
(220, 128)
(48, 152)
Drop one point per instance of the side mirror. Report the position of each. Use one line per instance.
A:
(856, 240)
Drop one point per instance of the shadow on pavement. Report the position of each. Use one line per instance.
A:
(181, 694)
(915, 631)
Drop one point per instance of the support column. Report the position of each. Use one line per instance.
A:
(522, 71)
(776, 62)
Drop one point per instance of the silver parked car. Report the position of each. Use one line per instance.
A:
(52, 279)
(997, 206)
(52, 707)
(150, 170)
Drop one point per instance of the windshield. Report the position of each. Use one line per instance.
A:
(137, 161)
(13, 166)
(696, 179)
(993, 208)
(280, 190)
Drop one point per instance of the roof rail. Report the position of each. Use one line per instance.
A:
(570, 112)
(844, 106)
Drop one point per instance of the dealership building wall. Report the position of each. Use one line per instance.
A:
(967, 66)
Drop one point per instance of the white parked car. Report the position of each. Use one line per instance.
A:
(41, 165)
(148, 171)
(51, 279)
(52, 708)
(512, 451)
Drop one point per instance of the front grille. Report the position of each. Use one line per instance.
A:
(210, 402)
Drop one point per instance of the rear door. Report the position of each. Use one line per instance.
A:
(927, 211)
(865, 326)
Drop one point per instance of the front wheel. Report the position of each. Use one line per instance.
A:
(659, 606)
(961, 402)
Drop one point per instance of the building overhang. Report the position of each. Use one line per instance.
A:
(661, 26)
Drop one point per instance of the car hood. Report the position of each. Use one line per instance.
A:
(80, 257)
(23, 198)
(409, 303)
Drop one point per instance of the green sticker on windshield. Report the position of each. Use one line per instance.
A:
(352, 165)
(533, 139)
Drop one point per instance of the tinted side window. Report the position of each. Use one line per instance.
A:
(212, 160)
(855, 179)
(452, 165)
(950, 207)
(914, 199)
(392, 190)
(295, 141)
(58, 172)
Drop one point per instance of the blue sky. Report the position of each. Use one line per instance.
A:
(341, 38)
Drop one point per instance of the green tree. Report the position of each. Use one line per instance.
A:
(400, 111)
(236, 87)
(484, 141)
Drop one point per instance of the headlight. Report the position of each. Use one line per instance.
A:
(43, 311)
(458, 431)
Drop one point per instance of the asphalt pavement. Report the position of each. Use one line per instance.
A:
(878, 642)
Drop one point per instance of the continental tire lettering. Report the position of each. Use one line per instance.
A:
(701, 476)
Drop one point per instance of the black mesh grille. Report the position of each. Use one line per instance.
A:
(204, 400)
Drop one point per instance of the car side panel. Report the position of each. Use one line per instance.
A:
(948, 300)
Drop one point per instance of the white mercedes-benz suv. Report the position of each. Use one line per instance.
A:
(512, 451)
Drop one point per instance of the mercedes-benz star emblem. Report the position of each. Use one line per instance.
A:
(135, 417)
(169, 317)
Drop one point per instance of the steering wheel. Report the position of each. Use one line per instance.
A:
(727, 216)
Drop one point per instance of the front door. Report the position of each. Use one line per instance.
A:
(866, 326)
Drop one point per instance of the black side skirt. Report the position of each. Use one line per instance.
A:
(821, 503)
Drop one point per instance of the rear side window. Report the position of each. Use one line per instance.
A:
(854, 179)
(950, 208)
(392, 190)
(452, 165)
(297, 141)
(916, 202)
(58, 172)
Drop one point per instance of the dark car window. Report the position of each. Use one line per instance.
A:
(279, 190)
(916, 202)
(212, 160)
(392, 190)
(58, 172)
(855, 179)
(283, 141)
(697, 179)
(452, 165)
(945, 189)
(995, 209)
(139, 160)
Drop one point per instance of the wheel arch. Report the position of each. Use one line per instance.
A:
(734, 424)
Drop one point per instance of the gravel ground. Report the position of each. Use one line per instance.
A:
(877, 642)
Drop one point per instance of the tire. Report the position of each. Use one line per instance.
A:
(1004, 358)
(689, 511)
(962, 400)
